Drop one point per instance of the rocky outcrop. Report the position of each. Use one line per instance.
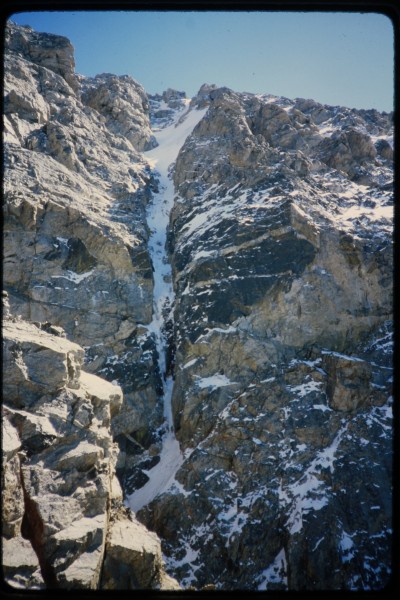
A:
(77, 266)
(53, 52)
(124, 104)
(62, 458)
(133, 558)
(63, 520)
(163, 107)
(282, 264)
(75, 232)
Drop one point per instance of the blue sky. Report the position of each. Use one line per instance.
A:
(334, 58)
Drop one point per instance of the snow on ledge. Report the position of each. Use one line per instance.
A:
(75, 277)
(214, 381)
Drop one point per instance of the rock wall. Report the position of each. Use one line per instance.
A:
(63, 519)
(75, 233)
(282, 253)
(75, 264)
(280, 241)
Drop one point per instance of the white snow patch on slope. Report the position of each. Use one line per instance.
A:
(75, 277)
(305, 388)
(309, 492)
(346, 546)
(276, 572)
(162, 476)
(214, 381)
(171, 140)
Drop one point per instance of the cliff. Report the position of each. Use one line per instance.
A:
(224, 265)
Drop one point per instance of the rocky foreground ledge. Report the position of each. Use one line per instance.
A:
(64, 524)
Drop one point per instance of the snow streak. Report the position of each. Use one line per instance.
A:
(170, 141)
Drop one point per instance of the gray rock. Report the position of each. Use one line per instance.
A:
(83, 267)
(59, 463)
(20, 564)
(124, 104)
(384, 149)
(279, 300)
(42, 362)
(133, 559)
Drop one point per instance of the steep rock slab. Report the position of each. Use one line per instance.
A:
(37, 363)
(59, 457)
(51, 51)
(163, 107)
(61, 498)
(124, 104)
(21, 569)
(75, 229)
(283, 281)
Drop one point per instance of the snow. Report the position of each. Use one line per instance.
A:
(190, 363)
(305, 388)
(210, 332)
(339, 355)
(257, 441)
(317, 544)
(346, 546)
(308, 493)
(189, 557)
(214, 381)
(276, 572)
(75, 277)
(162, 476)
(322, 407)
(177, 487)
(205, 254)
(170, 140)
(374, 214)
(62, 240)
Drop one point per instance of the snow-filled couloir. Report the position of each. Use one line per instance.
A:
(170, 140)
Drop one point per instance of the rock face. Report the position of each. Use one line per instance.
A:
(163, 107)
(75, 232)
(62, 497)
(281, 248)
(279, 338)
(76, 261)
(124, 104)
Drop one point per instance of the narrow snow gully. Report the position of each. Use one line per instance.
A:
(170, 140)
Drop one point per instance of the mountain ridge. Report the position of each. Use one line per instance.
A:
(272, 345)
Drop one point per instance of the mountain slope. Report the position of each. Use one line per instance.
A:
(282, 270)
(227, 261)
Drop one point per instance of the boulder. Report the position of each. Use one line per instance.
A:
(133, 559)
(20, 564)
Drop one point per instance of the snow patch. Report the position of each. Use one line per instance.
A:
(322, 407)
(305, 388)
(309, 492)
(276, 572)
(214, 381)
(75, 277)
(190, 363)
(170, 140)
